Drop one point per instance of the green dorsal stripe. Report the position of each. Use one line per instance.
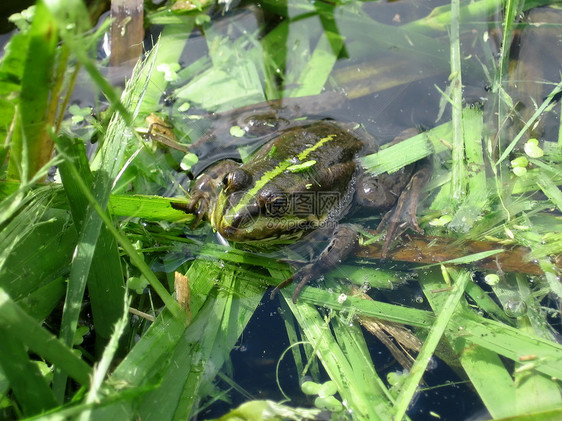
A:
(304, 154)
(279, 169)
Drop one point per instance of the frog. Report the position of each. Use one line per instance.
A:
(306, 177)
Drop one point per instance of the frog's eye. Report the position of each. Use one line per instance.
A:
(275, 204)
(236, 180)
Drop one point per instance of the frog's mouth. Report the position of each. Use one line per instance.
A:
(265, 233)
(232, 221)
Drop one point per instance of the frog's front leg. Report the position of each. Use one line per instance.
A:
(342, 244)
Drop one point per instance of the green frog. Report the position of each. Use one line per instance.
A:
(305, 178)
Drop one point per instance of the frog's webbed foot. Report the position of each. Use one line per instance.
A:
(343, 242)
(403, 215)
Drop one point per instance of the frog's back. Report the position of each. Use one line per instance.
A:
(325, 142)
(314, 164)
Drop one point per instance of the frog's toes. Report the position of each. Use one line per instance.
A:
(403, 215)
(397, 220)
(200, 213)
(198, 206)
(302, 276)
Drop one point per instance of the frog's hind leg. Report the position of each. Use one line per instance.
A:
(343, 242)
(403, 215)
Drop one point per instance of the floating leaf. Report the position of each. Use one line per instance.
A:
(533, 149)
(188, 161)
(237, 131)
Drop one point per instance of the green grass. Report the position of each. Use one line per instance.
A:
(84, 257)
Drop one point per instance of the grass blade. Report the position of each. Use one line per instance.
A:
(557, 89)
(105, 285)
(183, 361)
(136, 259)
(101, 370)
(428, 348)
(478, 362)
(458, 170)
(11, 70)
(31, 146)
(30, 388)
(475, 203)
(22, 326)
(367, 399)
(111, 154)
(481, 365)
(550, 189)
(393, 158)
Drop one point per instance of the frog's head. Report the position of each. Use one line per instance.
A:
(257, 211)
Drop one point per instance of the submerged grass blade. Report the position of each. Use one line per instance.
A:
(475, 172)
(474, 330)
(350, 337)
(318, 69)
(168, 51)
(369, 308)
(477, 345)
(429, 346)
(458, 181)
(557, 89)
(514, 344)
(479, 363)
(470, 258)
(550, 189)
(487, 303)
(511, 10)
(355, 383)
(440, 18)
(551, 273)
